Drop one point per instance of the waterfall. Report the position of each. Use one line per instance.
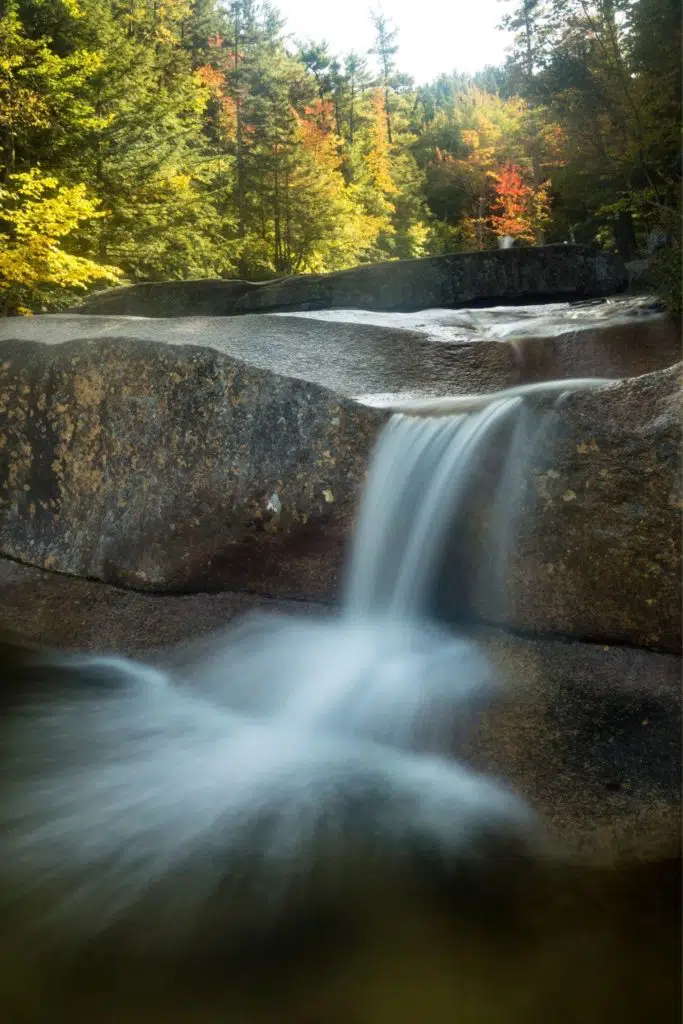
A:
(380, 668)
(292, 750)
(402, 530)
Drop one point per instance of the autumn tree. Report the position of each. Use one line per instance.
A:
(519, 208)
(190, 138)
(609, 72)
(46, 102)
(37, 216)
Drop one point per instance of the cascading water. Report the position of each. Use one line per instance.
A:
(291, 751)
(380, 669)
(396, 555)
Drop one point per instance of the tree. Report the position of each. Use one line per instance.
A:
(317, 59)
(385, 49)
(44, 103)
(357, 79)
(526, 21)
(188, 140)
(609, 72)
(520, 208)
(37, 215)
(328, 226)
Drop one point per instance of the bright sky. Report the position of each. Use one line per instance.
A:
(434, 36)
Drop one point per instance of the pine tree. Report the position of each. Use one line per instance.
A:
(385, 50)
(357, 84)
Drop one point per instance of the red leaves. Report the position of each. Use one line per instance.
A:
(518, 206)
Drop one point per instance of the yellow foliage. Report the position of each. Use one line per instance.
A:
(418, 235)
(73, 8)
(329, 227)
(378, 159)
(470, 138)
(36, 213)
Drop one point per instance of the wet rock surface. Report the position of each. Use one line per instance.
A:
(590, 526)
(57, 610)
(204, 453)
(589, 733)
(350, 358)
(375, 357)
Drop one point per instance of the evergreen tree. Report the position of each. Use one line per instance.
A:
(358, 81)
(385, 50)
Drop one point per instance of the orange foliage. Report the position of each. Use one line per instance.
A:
(316, 134)
(520, 207)
(211, 78)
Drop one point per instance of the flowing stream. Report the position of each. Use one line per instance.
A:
(380, 668)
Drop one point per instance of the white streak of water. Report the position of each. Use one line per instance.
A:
(439, 506)
(388, 678)
(399, 473)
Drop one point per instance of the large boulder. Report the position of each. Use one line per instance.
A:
(172, 467)
(590, 736)
(353, 359)
(510, 275)
(168, 298)
(589, 509)
(374, 356)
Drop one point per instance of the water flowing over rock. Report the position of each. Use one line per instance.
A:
(592, 501)
(130, 456)
(591, 736)
(213, 793)
(563, 519)
(551, 512)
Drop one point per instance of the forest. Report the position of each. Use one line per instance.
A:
(143, 140)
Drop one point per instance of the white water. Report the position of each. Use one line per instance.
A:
(380, 669)
(291, 751)
(393, 680)
(417, 480)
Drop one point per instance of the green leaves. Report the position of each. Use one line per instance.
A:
(188, 138)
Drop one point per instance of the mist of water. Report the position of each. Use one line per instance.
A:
(386, 678)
